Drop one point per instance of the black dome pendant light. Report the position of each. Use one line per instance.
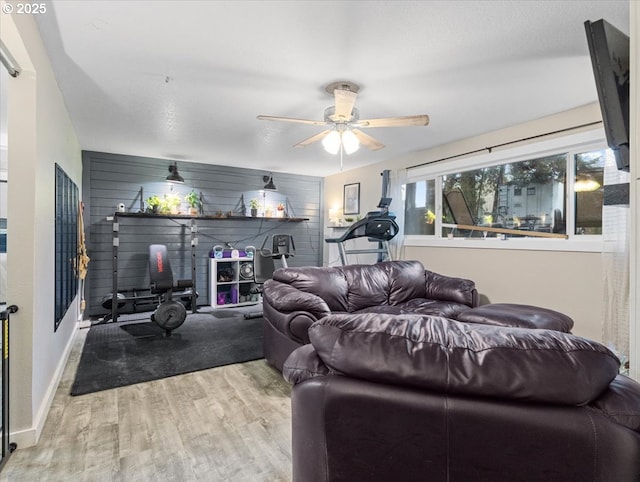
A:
(174, 176)
(269, 186)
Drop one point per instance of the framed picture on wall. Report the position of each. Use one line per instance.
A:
(351, 201)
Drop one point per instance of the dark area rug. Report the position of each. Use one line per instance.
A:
(128, 352)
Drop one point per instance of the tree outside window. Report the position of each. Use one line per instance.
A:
(529, 195)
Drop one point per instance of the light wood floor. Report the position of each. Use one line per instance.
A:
(230, 423)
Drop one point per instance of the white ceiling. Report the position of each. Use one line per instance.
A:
(186, 79)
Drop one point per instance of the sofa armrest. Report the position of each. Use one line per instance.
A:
(286, 299)
(303, 364)
(621, 402)
(446, 288)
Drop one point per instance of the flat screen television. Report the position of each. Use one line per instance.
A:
(609, 50)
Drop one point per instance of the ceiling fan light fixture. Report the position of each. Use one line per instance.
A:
(350, 142)
(331, 142)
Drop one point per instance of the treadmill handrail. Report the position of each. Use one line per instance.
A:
(353, 233)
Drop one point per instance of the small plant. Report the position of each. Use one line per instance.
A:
(153, 202)
(429, 216)
(280, 207)
(170, 204)
(193, 199)
(253, 204)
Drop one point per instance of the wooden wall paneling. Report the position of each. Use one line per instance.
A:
(110, 179)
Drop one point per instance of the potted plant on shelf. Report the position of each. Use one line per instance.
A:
(280, 210)
(253, 204)
(194, 202)
(170, 204)
(153, 204)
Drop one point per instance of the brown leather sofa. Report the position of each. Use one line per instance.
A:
(417, 398)
(296, 297)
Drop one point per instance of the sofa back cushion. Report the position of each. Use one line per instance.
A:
(459, 290)
(358, 286)
(327, 283)
(443, 355)
(367, 285)
(406, 280)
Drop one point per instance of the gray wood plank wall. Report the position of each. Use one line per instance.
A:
(111, 179)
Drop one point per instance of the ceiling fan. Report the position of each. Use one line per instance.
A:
(343, 120)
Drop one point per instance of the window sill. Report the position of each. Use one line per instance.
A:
(586, 244)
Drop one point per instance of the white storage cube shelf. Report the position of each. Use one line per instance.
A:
(231, 282)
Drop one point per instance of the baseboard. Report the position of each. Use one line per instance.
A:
(29, 437)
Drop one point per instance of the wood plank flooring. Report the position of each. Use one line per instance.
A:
(229, 423)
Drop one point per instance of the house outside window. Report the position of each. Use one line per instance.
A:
(485, 197)
(558, 191)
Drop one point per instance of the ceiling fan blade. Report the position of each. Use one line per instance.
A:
(313, 139)
(410, 120)
(344, 100)
(367, 141)
(292, 119)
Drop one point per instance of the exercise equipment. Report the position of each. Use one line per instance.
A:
(282, 247)
(378, 227)
(170, 313)
(140, 300)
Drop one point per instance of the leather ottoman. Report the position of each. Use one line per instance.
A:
(518, 316)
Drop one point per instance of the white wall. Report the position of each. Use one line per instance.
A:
(40, 135)
(565, 281)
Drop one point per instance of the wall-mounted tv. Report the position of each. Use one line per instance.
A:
(609, 50)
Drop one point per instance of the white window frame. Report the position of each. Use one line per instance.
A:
(591, 140)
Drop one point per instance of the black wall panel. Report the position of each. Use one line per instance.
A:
(111, 179)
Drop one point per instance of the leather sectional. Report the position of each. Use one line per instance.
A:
(399, 375)
(414, 398)
(297, 297)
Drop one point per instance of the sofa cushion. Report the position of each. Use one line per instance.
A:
(523, 316)
(406, 280)
(367, 285)
(440, 287)
(419, 306)
(621, 402)
(327, 283)
(444, 355)
(422, 306)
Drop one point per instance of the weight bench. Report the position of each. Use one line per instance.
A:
(170, 313)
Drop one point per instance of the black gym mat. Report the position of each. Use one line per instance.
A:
(124, 353)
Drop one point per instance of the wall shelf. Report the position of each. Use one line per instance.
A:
(210, 217)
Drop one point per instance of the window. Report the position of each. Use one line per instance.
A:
(420, 207)
(485, 197)
(557, 191)
(589, 192)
